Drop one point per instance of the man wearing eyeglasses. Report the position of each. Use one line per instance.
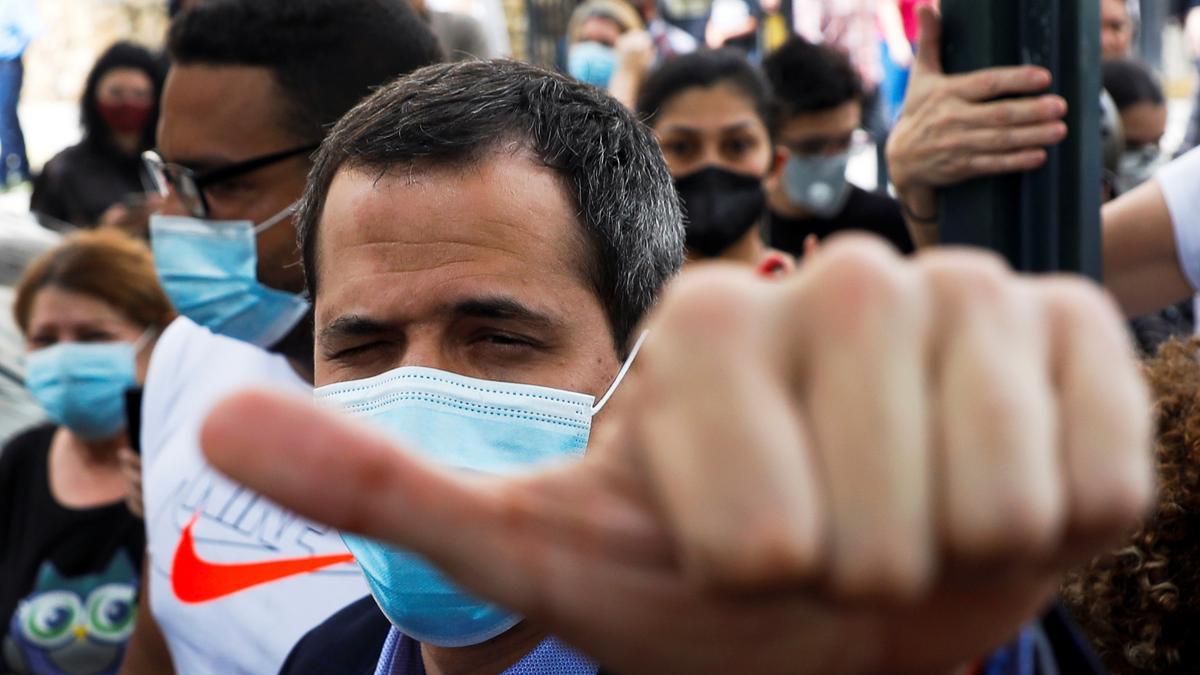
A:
(818, 119)
(233, 580)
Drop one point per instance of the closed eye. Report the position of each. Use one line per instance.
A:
(357, 350)
(506, 340)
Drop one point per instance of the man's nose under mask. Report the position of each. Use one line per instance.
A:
(467, 424)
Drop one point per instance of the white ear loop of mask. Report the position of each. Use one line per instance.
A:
(637, 346)
(277, 218)
(145, 338)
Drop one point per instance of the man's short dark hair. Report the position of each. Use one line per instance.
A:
(325, 55)
(453, 115)
(808, 78)
(1130, 82)
(704, 69)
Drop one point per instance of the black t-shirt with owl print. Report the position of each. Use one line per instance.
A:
(68, 577)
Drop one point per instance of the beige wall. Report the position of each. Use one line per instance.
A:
(76, 32)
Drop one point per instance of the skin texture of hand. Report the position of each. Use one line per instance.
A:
(131, 469)
(874, 465)
(953, 128)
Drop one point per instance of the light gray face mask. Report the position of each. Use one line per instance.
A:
(818, 183)
(1136, 167)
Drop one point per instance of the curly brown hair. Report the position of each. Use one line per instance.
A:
(1140, 604)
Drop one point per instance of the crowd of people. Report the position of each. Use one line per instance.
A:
(362, 351)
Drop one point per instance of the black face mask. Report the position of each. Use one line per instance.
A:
(721, 206)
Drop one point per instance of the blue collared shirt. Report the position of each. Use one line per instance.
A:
(402, 656)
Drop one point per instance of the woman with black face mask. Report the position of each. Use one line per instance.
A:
(710, 111)
(101, 180)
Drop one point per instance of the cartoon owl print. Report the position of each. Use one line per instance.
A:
(74, 626)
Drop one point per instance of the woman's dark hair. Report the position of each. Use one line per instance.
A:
(121, 55)
(1130, 82)
(704, 69)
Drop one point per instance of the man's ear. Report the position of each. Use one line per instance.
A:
(779, 161)
(775, 172)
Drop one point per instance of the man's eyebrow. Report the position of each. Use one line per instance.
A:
(500, 307)
(352, 325)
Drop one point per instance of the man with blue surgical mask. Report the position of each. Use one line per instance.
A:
(818, 120)
(233, 579)
(874, 465)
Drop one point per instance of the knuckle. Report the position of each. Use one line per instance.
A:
(864, 274)
(1081, 301)
(1006, 138)
(970, 278)
(706, 303)
(1114, 501)
(989, 85)
(1032, 521)
(1002, 116)
(1015, 522)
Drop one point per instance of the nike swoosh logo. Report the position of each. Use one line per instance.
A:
(196, 580)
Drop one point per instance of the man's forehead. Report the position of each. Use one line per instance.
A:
(496, 217)
(506, 204)
(214, 114)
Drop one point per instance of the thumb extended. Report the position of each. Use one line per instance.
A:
(333, 470)
(929, 45)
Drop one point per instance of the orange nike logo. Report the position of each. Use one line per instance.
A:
(195, 580)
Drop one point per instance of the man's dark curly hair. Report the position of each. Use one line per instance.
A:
(1140, 604)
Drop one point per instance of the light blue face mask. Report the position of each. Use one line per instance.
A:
(591, 62)
(818, 183)
(81, 386)
(209, 270)
(461, 423)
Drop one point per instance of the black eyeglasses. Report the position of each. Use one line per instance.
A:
(190, 184)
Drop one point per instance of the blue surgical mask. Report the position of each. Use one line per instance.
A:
(82, 386)
(592, 62)
(818, 184)
(461, 423)
(209, 269)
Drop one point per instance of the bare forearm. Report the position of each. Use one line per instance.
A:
(1141, 263)
(146, 653)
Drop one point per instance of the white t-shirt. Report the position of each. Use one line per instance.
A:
(219, 614)
(1180, 185)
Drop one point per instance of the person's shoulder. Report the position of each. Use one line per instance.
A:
(881, 214)
(68, 160)
(27, 446)
(187, 349)
(349, 641)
